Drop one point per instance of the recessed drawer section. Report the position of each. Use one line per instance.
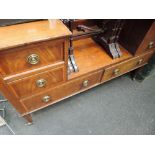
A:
(39, 82)
(31, 56)
(125, 66)
(71, 87)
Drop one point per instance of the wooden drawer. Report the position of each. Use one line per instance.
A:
(125, 66)
(31, 56)
(39, 82)
(67, 89)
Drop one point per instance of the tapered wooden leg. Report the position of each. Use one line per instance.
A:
(29, 119)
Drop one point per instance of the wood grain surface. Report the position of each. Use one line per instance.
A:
(90, 56)
(21, 34)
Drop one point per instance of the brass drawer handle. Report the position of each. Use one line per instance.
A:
(116, 71)
(151, 44)
(33, 59)
(85, 83)
(139, 61)
(46, 99)
(41, 83)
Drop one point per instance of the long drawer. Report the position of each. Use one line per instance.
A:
(71, 87)
(125, 66)
(39, 82)
(30, 57)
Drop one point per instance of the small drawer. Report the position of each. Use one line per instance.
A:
(39, 82)
(125, 66)
(29, 57)
(67, 89)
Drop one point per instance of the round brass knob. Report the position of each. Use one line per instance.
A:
(116, 71)
(85, 83)
(151, 44)
(46, 99)
(139, 61)
(41, 83)
(33, 59)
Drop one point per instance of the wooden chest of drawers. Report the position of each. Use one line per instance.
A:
(34, 65)
(29, 68)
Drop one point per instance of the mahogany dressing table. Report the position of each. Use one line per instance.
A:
(34, 62)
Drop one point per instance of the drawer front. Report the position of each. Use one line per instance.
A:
(39, 82)
(126, 66)
(71, 87)
(32, 56)
(149, 41)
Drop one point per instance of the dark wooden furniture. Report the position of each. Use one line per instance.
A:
(138, 35)
(34, 63)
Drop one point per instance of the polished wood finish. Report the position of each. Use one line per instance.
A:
(148, 39)
(125, 66)
(90, 56)
(43, 80)
(15, 60)
(17, 76)
(28, 86)
(7, 93)
(137, 34)
(23, 34)
(62, 91)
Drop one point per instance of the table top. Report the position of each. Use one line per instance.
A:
(26, 33)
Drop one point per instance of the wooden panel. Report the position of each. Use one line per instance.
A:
(125, 66)
(137, 34)
(8, 94)
(21, 34)
(133, 33)
(28, 86)
(62, 91)
(148, 39)
(15, 61)
(90, 56)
